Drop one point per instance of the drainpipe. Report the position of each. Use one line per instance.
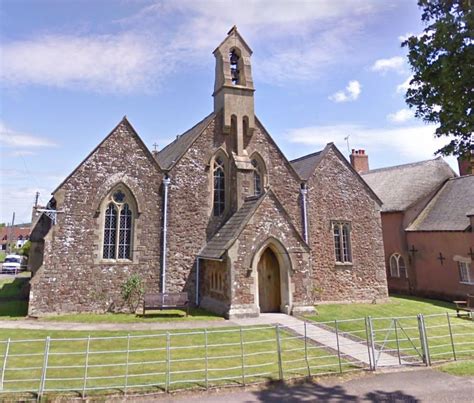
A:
(166, 183)
(304, 192)
(198, 260)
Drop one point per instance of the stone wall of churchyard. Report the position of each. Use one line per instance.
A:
(74, 277)
(336, 193)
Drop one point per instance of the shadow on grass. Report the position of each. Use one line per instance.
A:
(16, 289)
(177, 313)
(434, 302)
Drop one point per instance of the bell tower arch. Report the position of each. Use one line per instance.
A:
(233, 91)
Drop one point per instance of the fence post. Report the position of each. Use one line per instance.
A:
(45, 367)
(242, 355)
(7, 349)
(306, 348)
(372, 342)
(126, 363)
(280, 367)
(86, 367)
(368, 343)
(395, 322)
(423, 340)
(338, 348)
(206, 359)
(450, 335)
(168, 363)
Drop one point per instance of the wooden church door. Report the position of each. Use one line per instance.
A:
(269, 282)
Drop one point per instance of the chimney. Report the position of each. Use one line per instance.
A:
(466, 164)
(360, 160)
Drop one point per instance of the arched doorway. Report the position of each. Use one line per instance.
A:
(269, 289)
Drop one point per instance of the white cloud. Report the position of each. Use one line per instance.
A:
(12, 139)
(351, 92)
(410, 143)
(396, 64)
(121, 63)
(401, 116)
(310, 36)
(403, 87)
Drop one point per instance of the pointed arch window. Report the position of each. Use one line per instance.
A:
(118, 227)
(234, 66)
(257, 178)
(397, 266)
(219, 186)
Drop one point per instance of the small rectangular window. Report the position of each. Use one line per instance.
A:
(342, 242)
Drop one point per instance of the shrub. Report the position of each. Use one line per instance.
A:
(132, 292)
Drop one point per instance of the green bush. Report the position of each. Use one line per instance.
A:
(132, 292)
(25, 249)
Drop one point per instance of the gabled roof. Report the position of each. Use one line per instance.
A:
(448, 210)
(234, 31)
(173, 152)
(306, 165)
(126, 123)
(401, 186)
(231, 230)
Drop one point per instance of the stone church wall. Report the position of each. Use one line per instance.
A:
(335, 193)
(73, 277)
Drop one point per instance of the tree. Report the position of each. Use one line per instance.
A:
(442, 60)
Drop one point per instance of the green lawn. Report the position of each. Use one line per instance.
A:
(147, 361)
(459, 368)
(155, 316)
(405, 327)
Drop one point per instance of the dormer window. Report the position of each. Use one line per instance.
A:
(234, 67)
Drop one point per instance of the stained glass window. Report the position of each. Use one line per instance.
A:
(125, 232)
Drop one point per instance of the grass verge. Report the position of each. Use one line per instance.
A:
(458, 368)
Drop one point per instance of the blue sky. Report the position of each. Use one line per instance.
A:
(323, 69)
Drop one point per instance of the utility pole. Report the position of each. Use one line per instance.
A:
(10, 234)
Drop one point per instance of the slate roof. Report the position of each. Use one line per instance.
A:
(169, 155)
(231, 230)
(448, 209)
(306, 165)
(401, 186)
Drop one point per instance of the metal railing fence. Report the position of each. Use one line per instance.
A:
(233, 356)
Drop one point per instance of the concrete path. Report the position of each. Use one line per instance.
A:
(348, 347)
(421, 385)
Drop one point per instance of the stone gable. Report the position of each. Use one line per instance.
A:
(336, 193)
(73, 277)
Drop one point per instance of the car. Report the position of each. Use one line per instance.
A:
(13, 264)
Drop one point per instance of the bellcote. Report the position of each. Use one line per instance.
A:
(233, 88)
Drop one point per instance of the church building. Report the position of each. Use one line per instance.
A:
(219, 213)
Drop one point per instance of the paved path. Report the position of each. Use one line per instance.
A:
(348, 347)
(421, 385)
